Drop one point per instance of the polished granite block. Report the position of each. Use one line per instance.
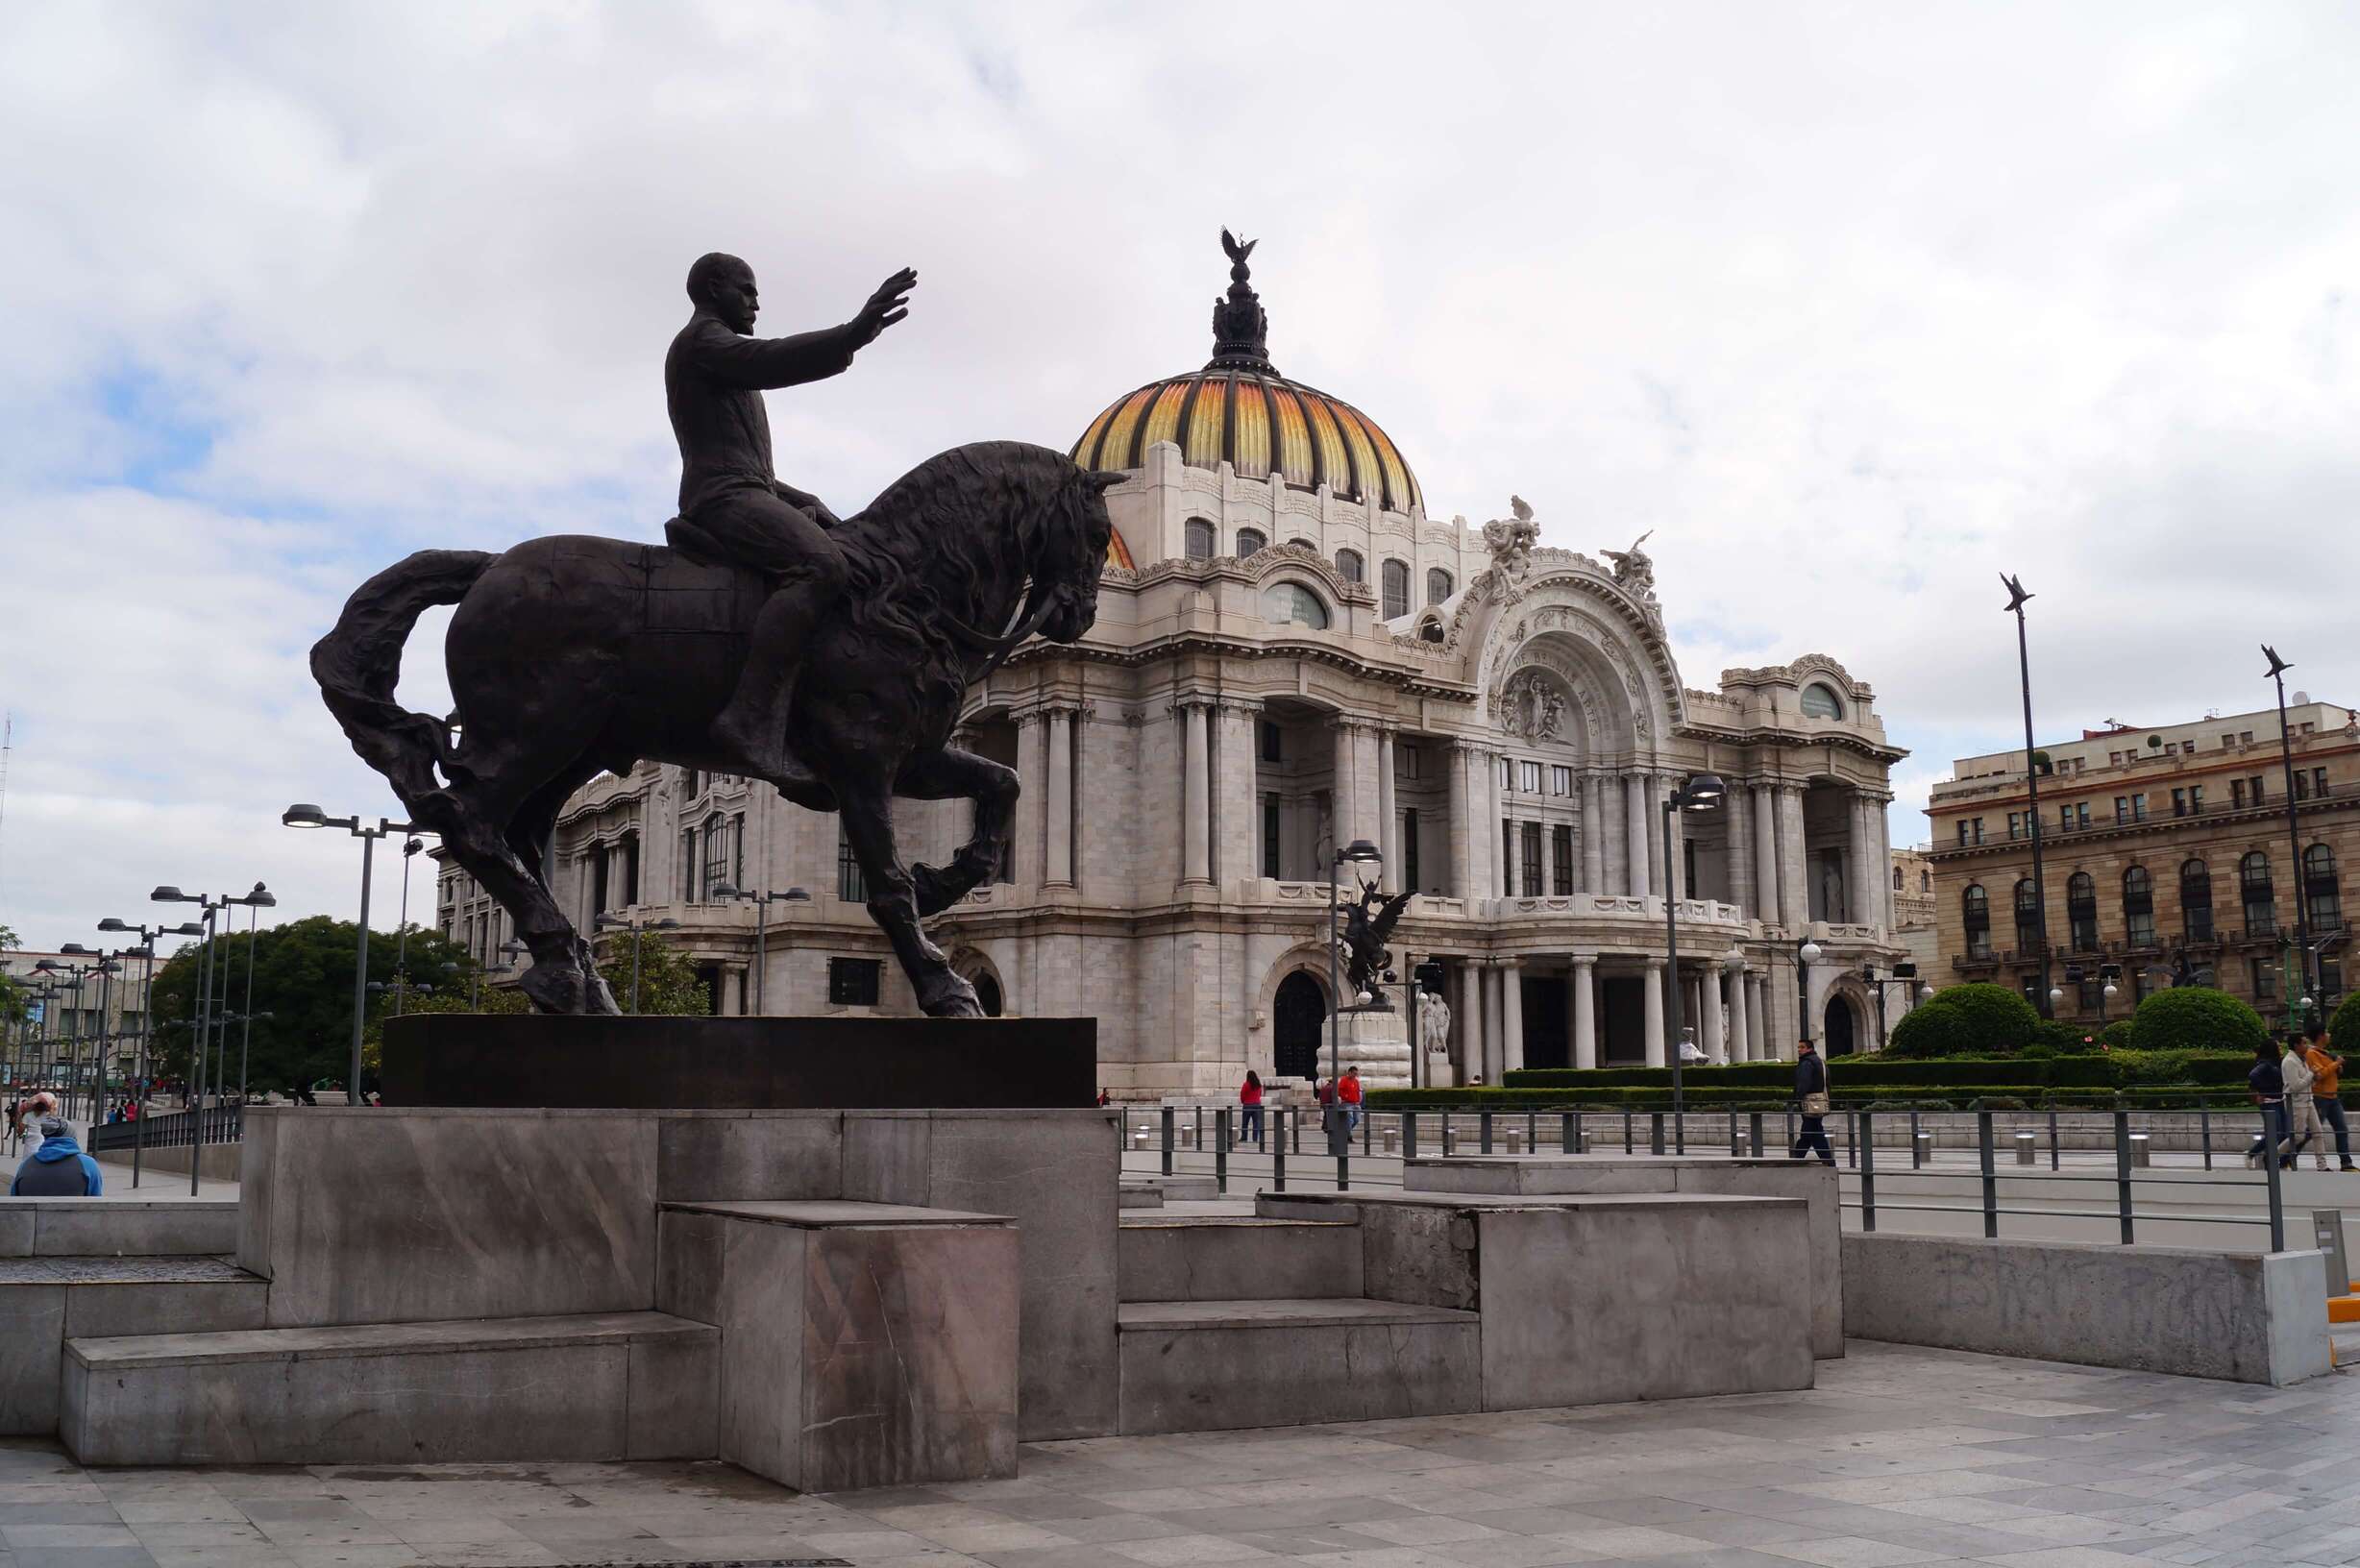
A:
(1214, 1365)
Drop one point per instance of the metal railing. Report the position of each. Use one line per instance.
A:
(1446, 1133)
(170, 1129)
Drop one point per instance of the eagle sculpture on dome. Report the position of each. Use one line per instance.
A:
(1239, 250)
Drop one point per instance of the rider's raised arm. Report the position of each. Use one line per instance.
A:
(759, 363)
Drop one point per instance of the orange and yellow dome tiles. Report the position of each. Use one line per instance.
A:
(1239, 410)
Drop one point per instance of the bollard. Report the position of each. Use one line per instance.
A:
(1343, 1167)
(1393, 1140)
(2138, 1159)
(2277, 1194)
(1868, 1173)
(1753, 1132)
(1294, 1133)
(1625, 1132)
(1655, 1132)
(1736, 1148)
(1917, 1141)
(2204, 1125)
(2053, 1164)
(1168, 1129)
(1991, 1175)
(1483, 1132)
(2121, 1170)
(1515, 1142)
(1569, 1136)
(1532, 1130)
(2026, 1151)
(1220, 1152)
(1278, 1161)
(1447, 1144)
(1409, 1135)
(1188, 1138)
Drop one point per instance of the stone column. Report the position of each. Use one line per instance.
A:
(1031, 832)
(1675, 832)
(1512, 1019)
(1345, 772)
(1461, 826)
(1495, 852)
(1388, 830)
(1593, 836)
(1059, 860)
(1768, 906)
(1862, 886)
(1196, 796)
(1757, 1021)
(1794, 874)
(1887, 921)
(1737, 812)
(1740, 1039)
(1635, 831)
(1236, 803)
(1710, 1037)
(1653, 987)
(1470, 1019)
(1585, 1012)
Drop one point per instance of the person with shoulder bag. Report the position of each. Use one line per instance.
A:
(1811, 1101)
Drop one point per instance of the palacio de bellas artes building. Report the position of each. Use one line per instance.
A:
(1290, 653)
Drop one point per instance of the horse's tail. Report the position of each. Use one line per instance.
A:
(358, 664)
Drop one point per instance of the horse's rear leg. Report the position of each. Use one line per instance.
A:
(945, 774)
(867, 809)
(562, 979)
(527, 836)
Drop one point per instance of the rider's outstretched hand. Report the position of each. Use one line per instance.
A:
(888, 305)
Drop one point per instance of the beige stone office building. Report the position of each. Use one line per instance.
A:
(2159, 845)
(1292, 652)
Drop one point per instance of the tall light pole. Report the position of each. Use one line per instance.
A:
(2016, 596)
(2296, 1009)
(1700, 793)
(205, 1020)
(145, 1059)
(1359, 852)
(304, 814)
(762, 903)
(617, 922)
(401, 929)
(1807, 954)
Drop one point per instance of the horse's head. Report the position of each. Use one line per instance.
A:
(1069, 555)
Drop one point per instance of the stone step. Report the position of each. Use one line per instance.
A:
(46, 1301)
(1214, 1365)
(1236, 1257)
(596, 1387)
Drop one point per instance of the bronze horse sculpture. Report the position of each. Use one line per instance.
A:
(571, 655)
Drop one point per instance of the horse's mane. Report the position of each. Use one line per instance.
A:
(929, 535)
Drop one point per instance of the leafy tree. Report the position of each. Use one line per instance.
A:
(2346, 1024)
(303, 978)
(12, 993)
(667, 982)
(1965, 1018)
(2197, 1018)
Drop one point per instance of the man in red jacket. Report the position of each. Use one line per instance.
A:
(1349, 1092)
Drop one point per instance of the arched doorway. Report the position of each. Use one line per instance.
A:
(987, 993)
(1297, 1016)
(1838, 1037)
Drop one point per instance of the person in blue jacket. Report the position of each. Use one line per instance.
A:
(58, 1168)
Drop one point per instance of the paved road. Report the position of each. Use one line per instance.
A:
(1901, 1457)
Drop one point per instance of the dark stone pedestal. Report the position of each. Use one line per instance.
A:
(513, 1060)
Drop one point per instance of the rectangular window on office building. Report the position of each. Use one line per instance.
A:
(1560, 780)
(1560, 859)
(1529, 780)
(854, 982)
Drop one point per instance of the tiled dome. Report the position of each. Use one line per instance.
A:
(1239, 409)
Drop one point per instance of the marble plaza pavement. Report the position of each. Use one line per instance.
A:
(1901, 1457)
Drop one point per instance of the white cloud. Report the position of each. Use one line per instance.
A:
(1856, 305)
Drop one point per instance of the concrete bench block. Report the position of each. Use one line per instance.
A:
(117, 1227)
(46, 1301)
(1215, 1365)
(601, 1386)
(863, 1344)
(1236, 1257)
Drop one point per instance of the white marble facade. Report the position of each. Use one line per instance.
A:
(1188, 766)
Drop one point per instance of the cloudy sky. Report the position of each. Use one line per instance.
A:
(1854, 305)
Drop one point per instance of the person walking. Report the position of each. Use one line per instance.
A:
(58, 1168)
(1811, 1101)
(1249, 1101)
(2301, 1110)
(1349, 1092)
(2327, 1097)
(2268, 1082)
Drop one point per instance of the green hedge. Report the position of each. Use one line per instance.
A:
(2197, 1018)
(2109, 1069)
(1932, 1097)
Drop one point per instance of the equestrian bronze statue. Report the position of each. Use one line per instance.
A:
(829, 659)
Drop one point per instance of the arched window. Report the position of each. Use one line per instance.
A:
(1199, 535)
(1438, 586)
(2028, 918)
(1251, 542)
(1820, 702)
(2081, 911)
(1976, 905)
(2255, 893)
(1396, 589)
(2139, 907)
(1432, 631)
(2323, 902)
(1926, 881)
(1350, 567)
(2196, 900)
(1897, 879)
(1284, 602)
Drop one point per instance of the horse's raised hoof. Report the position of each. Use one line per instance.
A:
(948, 997)
(565, 990)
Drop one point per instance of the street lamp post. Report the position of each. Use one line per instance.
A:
(1698, 793)
(205, 1020)
(2279, 668)
(1807, 954)
(762, 903)
(1359, 852)
(1904, 974)
(401, 929)
(2016, 596)
(145, 1059)
(304, 814)
(618, 923)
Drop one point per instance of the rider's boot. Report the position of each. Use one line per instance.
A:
(753, 722)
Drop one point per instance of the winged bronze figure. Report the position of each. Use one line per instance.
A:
(1368, 927)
